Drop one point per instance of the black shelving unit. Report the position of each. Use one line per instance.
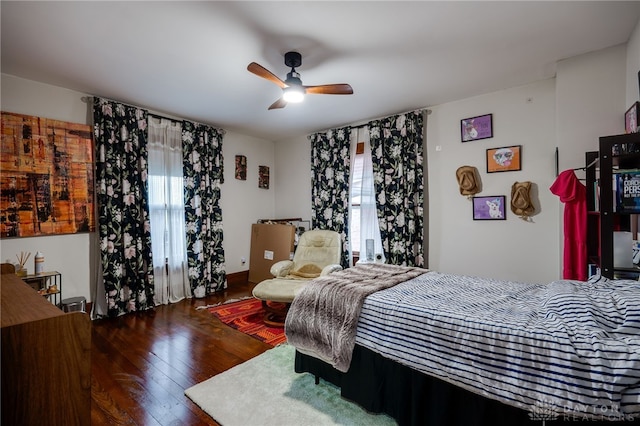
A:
(615, 153)
(47, 284)
(593, 209)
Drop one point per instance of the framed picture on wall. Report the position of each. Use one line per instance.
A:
(504, 159)
(474, 128)
(241, 167)
(489, 208)
(263, 177)
(47, 183)
(631, 118)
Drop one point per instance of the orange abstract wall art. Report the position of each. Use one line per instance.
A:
(46, 177)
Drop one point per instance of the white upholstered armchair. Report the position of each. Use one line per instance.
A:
(318, 253)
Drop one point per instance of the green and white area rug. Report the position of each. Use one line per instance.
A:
(266, 391)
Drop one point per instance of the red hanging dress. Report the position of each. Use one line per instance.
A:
(574, 196)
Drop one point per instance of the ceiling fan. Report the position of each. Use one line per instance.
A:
(292, 88)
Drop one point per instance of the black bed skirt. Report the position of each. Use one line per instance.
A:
(380, 385)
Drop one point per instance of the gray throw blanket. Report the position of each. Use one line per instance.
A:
(323, 318)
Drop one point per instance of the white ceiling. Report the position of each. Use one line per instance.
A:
(189, 59)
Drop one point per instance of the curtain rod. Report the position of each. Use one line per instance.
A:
(163, 117)
(89, 99)
(427, 110)
(360, 126)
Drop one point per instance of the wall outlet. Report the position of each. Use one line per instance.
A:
(243, 260)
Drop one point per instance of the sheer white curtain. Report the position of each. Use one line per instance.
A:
(364, 192)
(166, 205)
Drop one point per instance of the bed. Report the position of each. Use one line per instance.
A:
(433, 348)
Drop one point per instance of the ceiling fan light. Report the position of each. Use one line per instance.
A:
(293, 94)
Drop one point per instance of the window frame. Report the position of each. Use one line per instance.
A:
(354, 254)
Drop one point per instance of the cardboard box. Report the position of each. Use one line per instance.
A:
(269, 244)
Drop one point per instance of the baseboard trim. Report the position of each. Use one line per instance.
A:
(241, 277)
(235, 278)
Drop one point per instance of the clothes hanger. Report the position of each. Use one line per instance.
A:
(591, 164)
(557, 157)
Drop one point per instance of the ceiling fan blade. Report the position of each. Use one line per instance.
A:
(280, 103)
(261, 71)
(329, 89)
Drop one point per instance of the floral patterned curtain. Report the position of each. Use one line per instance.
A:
(397, 154)
(330, 162)
(203, 174)
(123, 212)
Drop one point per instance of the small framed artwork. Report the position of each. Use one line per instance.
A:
(474, 128)
(631, 118)
(489, 208)
(241, 167)
(263, 177)
(504, 159)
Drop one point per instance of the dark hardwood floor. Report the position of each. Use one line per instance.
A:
(142, 363)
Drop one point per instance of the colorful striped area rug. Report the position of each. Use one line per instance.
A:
(247, 316)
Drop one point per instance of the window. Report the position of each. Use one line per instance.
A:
(356, 199)
(166, 208)
(363, 217)
(166, 212)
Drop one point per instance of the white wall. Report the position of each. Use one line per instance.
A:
(511, 249)
(242, 202)
(73, 255)
(293, 178)
(590, 93)
(633, 67)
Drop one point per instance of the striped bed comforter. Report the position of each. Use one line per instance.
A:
(567, 348)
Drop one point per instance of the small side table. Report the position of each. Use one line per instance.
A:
(47, 284)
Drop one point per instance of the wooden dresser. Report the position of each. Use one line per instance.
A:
(46, 359)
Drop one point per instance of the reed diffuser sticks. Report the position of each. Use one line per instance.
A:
(22, 260)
